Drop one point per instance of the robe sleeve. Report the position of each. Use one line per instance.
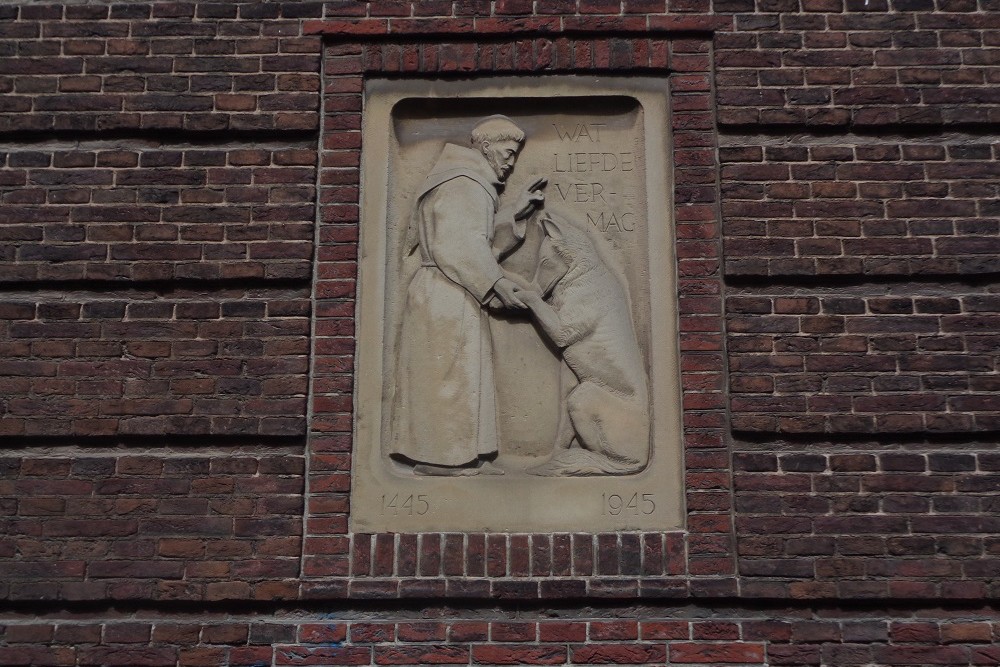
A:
(508, 233)
(459, 235)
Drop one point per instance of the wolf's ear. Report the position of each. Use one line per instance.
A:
(551, 228)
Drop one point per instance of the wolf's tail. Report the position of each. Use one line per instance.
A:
(581, 463)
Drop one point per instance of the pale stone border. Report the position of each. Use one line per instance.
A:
(517, 504)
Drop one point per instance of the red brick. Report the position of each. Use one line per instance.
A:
(719, 653)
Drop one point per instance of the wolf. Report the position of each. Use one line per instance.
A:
(582, 307)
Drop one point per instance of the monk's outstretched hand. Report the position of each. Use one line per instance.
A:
(530, 298)
(508, 292)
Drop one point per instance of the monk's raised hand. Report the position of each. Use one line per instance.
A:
(531, 198)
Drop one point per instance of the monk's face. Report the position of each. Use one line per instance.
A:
(501, 155)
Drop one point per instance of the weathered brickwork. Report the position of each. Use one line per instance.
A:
(494, 637)
(801, 207)
(838, 360)
(147, 211)
(157, 66)
(879, 63)
(217, 523)
(141, 363)
(179, 188)
(869, 521)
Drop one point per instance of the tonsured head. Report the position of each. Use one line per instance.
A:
(499, 140)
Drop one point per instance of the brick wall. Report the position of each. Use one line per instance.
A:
(725, 636)
(804, 207)
(155, 364)
(120, 211)
(210, 524)
(158, 66)
(157, 208)
(178, 224)
(870, 359)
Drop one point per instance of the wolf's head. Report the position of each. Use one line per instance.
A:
(565, 250)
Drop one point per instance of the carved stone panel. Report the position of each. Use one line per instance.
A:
(517, 336)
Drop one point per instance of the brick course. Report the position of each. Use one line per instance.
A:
(803, 208)
(141, 364)
(215, 523)
(867, 66)
(156, 66)
(901, 359)
(143, 211)
(834, 522)
(731, 636)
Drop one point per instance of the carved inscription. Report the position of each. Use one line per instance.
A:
(586, 174)
(398, 504)
(589, 131)
(589, 163)
(616, 504)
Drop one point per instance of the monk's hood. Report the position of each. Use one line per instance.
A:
(456, 162)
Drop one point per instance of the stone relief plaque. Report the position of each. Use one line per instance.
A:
(517, 339)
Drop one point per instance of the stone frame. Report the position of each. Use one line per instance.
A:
(495, 504)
